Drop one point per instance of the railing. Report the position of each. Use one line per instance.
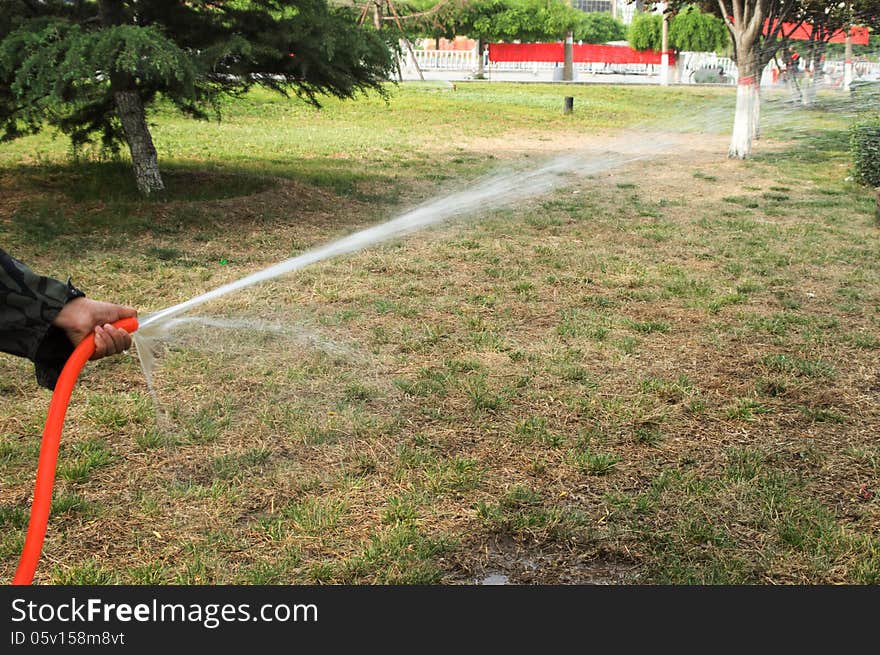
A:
(443, 60)
(862, 70)
(689, 62)
(466, 60)
(590, 67)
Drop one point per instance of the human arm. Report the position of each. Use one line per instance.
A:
(43, 319)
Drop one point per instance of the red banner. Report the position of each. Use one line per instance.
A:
(588, 52)
(858, 35)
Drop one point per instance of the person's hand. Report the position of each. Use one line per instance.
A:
(82, 316)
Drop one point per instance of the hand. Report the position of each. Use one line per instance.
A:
(82, 316)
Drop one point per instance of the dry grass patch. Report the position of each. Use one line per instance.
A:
(660, 374)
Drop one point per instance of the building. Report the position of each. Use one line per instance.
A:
(620, 9)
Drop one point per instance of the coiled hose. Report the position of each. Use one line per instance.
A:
(36, 532)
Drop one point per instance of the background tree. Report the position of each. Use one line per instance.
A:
(644, 32)
(506, 20)
(598, 27)
(690, 30)
(823, 20)
(693, 30)
(758, 28)
(476, 19)
(865, 13)
(435, 19)
(91, 67)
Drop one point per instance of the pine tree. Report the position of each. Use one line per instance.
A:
(91, 67)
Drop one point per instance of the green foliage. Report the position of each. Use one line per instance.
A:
(509, 20)
(53, 68)
(599, 28)
(690, 30)
(865, 147)
(695, 31)
(61, 63)
(645, 32)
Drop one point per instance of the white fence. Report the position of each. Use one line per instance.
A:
(687, 64)
(466, 61)
(862, 70)
(443, 60)
(588, 67)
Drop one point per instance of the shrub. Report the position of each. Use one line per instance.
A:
(865, 147)
(865, 94)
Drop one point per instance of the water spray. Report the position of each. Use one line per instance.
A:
(36, 532)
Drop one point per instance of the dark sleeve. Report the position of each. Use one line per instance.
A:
(28, 305)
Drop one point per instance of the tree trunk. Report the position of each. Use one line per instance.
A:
(756, 109)
(847, 60)
(808, 96)
(377, 15)
(794, 88)
(140, 143)
(664, 51)
(809, 90)
(748, 107)
(481, 69)
(130, 108)
(744, 20)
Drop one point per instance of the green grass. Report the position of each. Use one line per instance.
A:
(80, 460)
(246, 149)
(799, 366)
(594, 463)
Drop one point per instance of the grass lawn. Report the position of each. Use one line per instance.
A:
(663, 372)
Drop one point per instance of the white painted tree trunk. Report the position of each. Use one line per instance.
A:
(809, 91)
(140, 143)
(811, 77)
(847, 62)
(745, 20)
(664, 51)
(744, 123)
(794, 89)
(756, 109)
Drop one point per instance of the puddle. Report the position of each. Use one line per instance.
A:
(495, 579)
(503, 561)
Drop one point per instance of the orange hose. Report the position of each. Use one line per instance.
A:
(36, 532)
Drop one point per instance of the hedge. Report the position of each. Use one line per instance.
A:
(865, 147)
